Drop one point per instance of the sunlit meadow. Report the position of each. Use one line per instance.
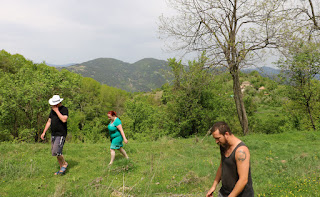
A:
(282, 165)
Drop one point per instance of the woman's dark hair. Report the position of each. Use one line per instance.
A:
(112, 113)
(222, 127)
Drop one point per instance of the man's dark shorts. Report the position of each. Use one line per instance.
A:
(220, 195)
(57, 143)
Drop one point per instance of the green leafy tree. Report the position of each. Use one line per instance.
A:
(185, 97)
(144, 119)
(26, 88)
(219, 102)
(302, 66)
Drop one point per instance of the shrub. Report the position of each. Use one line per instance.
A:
(26, 135)
(5, 135)
(273, 123)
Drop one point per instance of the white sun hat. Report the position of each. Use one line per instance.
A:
(55, 100)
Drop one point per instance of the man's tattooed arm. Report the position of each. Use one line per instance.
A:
(241, 155)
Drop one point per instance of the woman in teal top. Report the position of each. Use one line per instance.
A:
(116, 135)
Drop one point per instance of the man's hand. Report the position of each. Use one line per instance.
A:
(42, 136)
(210, 192)
(45, 128)
(55, 108)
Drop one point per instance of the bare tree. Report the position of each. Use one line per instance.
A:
(313, 13)
(232, 32)
(308, 12)
(302, 19)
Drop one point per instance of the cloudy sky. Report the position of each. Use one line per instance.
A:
(74, 31)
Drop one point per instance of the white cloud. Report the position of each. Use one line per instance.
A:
(62, 32)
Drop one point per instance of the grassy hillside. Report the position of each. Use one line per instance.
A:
(144, 75)
(285, 164)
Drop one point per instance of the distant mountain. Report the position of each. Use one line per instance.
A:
(57, 66)
(141, 76)
(264, 71)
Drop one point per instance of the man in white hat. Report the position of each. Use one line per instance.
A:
(58, 123)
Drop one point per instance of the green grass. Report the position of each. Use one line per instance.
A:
(282, 165)
(264, 111)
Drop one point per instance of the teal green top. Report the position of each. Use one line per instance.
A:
(113, 130)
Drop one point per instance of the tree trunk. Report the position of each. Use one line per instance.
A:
(242, 115)
(310, 114)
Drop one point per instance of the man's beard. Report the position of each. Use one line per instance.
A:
(225, 145)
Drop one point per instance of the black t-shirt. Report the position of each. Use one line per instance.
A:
(58, 128)
(230, 175)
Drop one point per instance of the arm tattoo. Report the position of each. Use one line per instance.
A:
(242, 155)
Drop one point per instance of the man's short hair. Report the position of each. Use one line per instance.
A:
(222, 127)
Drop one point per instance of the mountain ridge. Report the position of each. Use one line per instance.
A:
(141, 76)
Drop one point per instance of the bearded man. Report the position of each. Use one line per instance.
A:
(234, 170)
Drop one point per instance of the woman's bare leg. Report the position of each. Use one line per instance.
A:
(123, 152)
(113, 154)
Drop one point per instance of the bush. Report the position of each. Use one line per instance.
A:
(269, 124)
(94, 131)
(5, 135)
(143, 119)
(26, 135)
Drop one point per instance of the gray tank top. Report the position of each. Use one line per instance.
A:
(230, 175)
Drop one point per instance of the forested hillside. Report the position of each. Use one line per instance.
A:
(26, 88)
(187, 106)
(142, 76)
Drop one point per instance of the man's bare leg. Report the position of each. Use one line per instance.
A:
(61, 162)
